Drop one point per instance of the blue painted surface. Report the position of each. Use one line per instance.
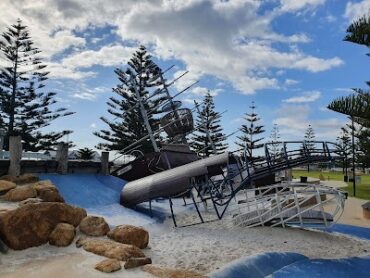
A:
(258, 266)
(87, 190)
(360, 232)
(342, 268)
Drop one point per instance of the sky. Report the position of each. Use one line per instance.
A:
(288, 56)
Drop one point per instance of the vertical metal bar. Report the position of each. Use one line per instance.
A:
(172, 214)
(318, 200)
(196, 207)
(144, 114)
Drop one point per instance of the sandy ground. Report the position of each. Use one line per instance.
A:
(203, 248)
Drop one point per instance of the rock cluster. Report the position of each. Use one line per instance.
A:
(31, 224)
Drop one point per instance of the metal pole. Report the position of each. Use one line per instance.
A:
(144, 115)
(353, 157)
(173, 107)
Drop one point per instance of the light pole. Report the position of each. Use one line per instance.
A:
(2, 136)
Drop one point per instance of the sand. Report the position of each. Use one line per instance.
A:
(203, 248)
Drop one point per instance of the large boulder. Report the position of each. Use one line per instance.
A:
(22, 179)
(20, 193)
(5, 186)
(62, 235)
(50, 195)
(129, 234)
(111, 249)
(164, 272)
(31, 224)
(108, 265)
(94, 226)
(44, 184)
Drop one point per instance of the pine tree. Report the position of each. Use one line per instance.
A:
(85, 154)
(344, 147)
(250, 130)
(209, 138)
(128, 123)
(309, 137)
(25, 111)
(275, 147)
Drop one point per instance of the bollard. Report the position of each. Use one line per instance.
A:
(15, 155)
(62, 158)
(105, 163)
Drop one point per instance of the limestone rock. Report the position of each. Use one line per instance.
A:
(135, 262)
(30, 201)
(129, 234)
(164, 272)
(50, 195)
(42, 185)
(62, 235)
(108, 265)
(22, 179)
(20, 193)
(80, 241)
(111, 249)
(5, 186)
(94, 226)
(31, 224)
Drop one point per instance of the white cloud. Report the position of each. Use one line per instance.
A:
(291, 82)
(355, 10)
(229, 40)
(293, 121)
(310, 96)
(295, 5)
(89, 94)
(93, 125)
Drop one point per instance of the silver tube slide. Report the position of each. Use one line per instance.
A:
(170, 182)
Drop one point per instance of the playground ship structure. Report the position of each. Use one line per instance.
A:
(242, 190)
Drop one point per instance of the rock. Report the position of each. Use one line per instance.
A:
(111, 249)
(20, 193)
(22, 179)
(42, 185)
(108, 265)
(129, 234)
(31, 224)
(62, 235)
(5, 186)
(30, 201)
(80, 241)
(94, 226)
(135, 262)
(50, 195)
(164, 272)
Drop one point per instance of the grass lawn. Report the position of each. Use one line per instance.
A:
(362, 190)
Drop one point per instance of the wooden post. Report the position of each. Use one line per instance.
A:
(15, 155)
(62, 158)
(105, 163)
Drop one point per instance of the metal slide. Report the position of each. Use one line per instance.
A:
(219, 178)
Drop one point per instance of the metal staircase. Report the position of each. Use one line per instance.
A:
(279, 204)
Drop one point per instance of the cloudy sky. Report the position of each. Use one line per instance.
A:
(287, 56)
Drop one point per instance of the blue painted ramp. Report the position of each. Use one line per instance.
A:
(258, 266)
(87, 190)
(357, 267)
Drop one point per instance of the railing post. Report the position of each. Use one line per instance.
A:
(62, 158)
(15, 155)
(105, 163)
